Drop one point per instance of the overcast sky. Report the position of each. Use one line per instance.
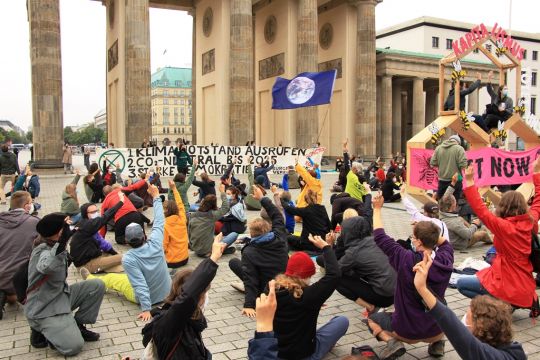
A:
(83, 45)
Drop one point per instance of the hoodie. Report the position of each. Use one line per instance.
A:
(18, 233)
(450, 158)
(8, 163)
(70, 206)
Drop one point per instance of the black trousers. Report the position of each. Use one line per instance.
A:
(443, 185)
(354, 288)
(297, 243)
(123, 222)
(235, 265)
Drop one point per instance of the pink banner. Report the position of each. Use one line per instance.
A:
(491, 167)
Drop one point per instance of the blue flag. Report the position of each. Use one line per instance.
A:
(306, 89)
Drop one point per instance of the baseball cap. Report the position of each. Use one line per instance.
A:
(134, 234)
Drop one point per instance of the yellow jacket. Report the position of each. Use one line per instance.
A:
(175, 236)
(312, 184)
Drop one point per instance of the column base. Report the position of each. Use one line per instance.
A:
(47, 164)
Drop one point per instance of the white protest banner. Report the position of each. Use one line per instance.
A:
(212, 159)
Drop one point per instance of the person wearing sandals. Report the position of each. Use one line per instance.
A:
(402, 325)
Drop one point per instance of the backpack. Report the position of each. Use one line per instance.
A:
(20, 282)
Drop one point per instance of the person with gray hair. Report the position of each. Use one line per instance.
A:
(355, 177)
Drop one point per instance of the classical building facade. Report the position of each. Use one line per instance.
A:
(171, 105)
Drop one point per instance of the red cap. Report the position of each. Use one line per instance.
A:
(300, 265)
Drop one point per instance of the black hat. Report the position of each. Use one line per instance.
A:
(50, 224)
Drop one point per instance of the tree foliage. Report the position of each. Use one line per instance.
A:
(14, 136)
(88, 135)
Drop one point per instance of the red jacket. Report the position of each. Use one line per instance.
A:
(380, 175)
(112, 199)
(510, 276)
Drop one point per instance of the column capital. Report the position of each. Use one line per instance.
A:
(364, 2)
(191, 12)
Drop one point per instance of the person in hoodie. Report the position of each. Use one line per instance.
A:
(501, 106)
(175, 235)
(18, 229)
(251, 202)
(9, 167)
(484, 332)
(388, 187)
(290, 179)
(510, 276)
(182, 185)
(70, 200)
(449, 157)
(366, 275)
(449, 103)
(311, 184)
(183, 160)
(233, 222)
(401, 325)
(262, 169)
(344, 201)
(28, 181)
(88, 248)
(315, 221)
(93, 184)
(263, 257)
(355, 184)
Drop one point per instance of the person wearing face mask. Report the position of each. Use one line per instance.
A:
(388, 187)
(88, 248)
(501, 106)
(485, 331)
(234, 221)
(18, 229)
(176, 329)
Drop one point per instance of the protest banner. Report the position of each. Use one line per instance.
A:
(212, 159)
(491, 167)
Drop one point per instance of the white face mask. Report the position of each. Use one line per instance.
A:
(93, 216)
(32, 209)
(464, 320)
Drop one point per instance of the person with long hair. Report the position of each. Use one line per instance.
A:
(182, 184)
(484, 332)
(70, 201)
(175, 236)
(176, 329)
(299, 303)
(501, 106)
(510, 276)
(93, 184)
(206, 186)
(234, 221)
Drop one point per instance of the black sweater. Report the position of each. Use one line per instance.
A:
(205, 188)
(344, 201)
(84, 246)
(262, 261)
(174, 325)
(295, 322)
(315, 219)
(388, 188)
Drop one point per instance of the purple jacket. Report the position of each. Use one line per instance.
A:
(104, 245)
(410, 319)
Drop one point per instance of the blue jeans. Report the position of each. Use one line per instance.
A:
(328, 335)
(75, 218)
(230, 239)
(470, 286)
(194, 207)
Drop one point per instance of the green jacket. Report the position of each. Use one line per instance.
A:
(250, 201)
(450, 158)
(182, 158)
(69, 205)
(201, 227)
(183, 189)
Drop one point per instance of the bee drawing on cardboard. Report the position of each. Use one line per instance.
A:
(428, 174)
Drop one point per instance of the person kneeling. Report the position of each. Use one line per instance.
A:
(50, 300)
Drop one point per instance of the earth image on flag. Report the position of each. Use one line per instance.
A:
(300, 90)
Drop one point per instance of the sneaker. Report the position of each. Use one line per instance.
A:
(88, 335)
(436, 349)
(37, 339)
(239, 287)
(230, 250)
(393, 350)
(85, 273)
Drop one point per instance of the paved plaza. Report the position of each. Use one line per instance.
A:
(228, 332)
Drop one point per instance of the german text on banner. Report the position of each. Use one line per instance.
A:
(491, 167)
(212, 159)
(306, 89)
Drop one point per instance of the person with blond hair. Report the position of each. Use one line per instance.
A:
(264, 256)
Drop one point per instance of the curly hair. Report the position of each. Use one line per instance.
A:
(491, 320)
(293, 284)
(176, 290)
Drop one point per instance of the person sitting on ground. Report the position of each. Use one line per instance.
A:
(339, 164)
(250, 201)
(315, 221)
(298, 306)
(262, 169)
(50, 300)
(28, 181)
(70, 201)
(233, 222)
(355, 186)
(93, 184)
(202, 224)
(88, 248)
(290, 179)
(344, 201)
(501, 107)
(510, 276)
(430, 213)
(175, 236)
(393, 328)
(228, 176)
(366, 275)
(206, 186)
(462, 234)
(127, 213)
(286, 196)
(176, 328)
(484, 333)
(311, 184)
(109, 176)
(263, 257)
(145, 263)
(18, 229)
(388, 187)
(264, 346)
(182, 185)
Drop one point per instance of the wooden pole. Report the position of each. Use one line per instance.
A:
(441, 88)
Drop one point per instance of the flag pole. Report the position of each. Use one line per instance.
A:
(324, 121)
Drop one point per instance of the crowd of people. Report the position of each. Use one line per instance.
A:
(277, 262)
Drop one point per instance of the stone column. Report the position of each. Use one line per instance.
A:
(193, 80)
(472, 102)
(137, 85)
(365, 94)
(406, 105)
(241, 101)
(396, 117)
(307, 122)
(386, 116)
(418, 107)
(46, 63)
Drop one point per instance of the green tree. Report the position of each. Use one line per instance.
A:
(29, 135)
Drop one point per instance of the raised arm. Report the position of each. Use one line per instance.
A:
(310, 180)
(76, 178)
(346, 162)
(190, 178)
(179, 202)
(156, 236)
(474, 86)
(278, 224)
(217, 214)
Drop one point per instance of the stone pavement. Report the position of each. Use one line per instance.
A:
(228, 332)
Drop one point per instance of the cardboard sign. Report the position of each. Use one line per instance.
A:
(212, 159)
